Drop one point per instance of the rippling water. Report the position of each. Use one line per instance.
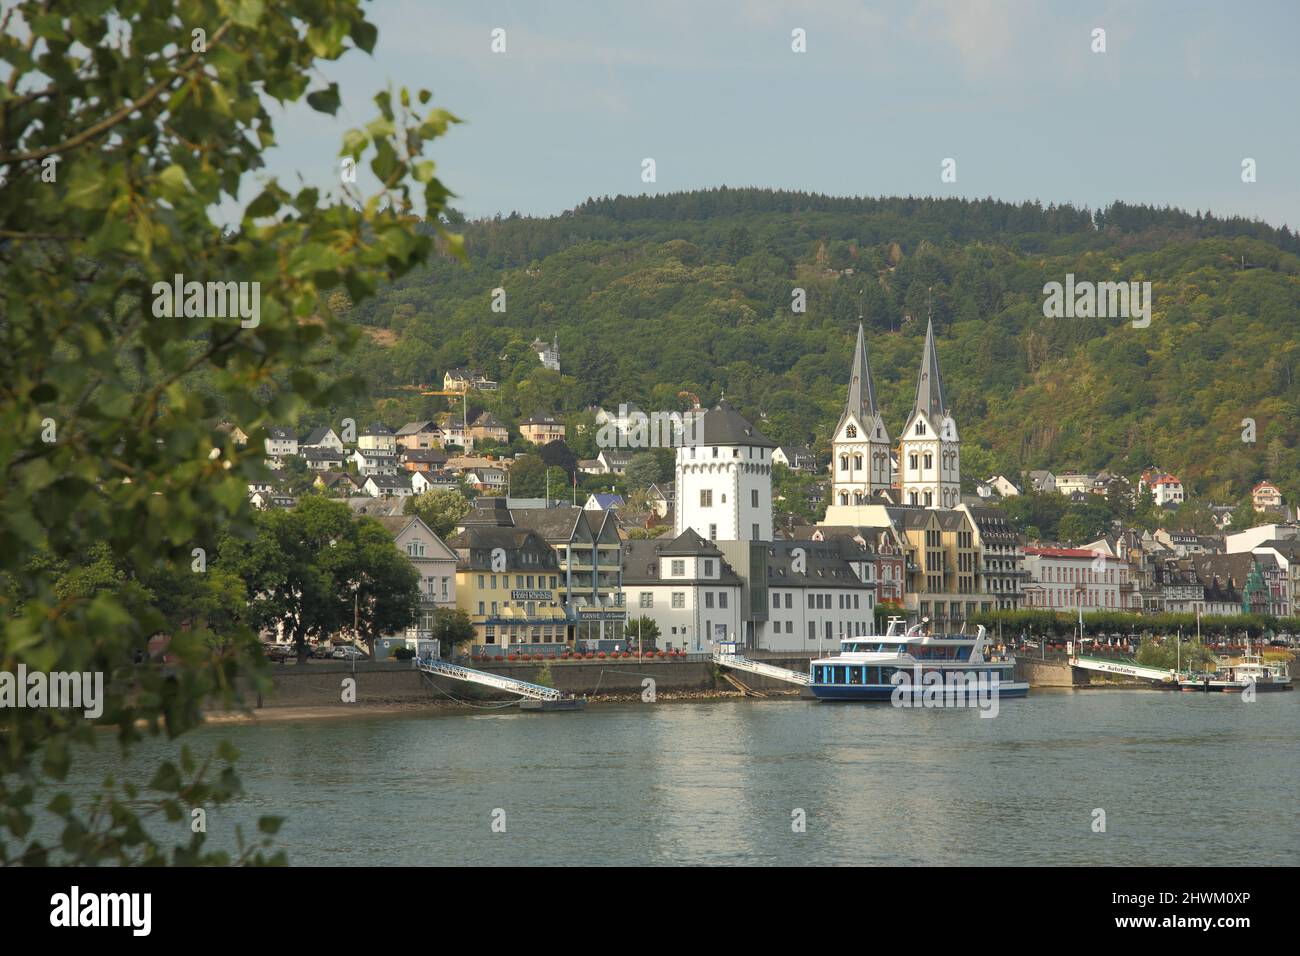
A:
(1182, 778)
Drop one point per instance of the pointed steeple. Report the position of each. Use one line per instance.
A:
(930, 397)
(862, 391)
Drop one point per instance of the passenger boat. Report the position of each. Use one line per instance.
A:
(1230, 677)
(909, 667)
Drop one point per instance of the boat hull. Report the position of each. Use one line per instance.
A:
(916, 694)
(1230, 687)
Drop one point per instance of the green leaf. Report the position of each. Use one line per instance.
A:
(326, 100)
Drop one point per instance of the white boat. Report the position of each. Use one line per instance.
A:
(910, 663)
(1236, 676)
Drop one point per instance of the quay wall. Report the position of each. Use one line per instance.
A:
(320, 683)
(1048, 673)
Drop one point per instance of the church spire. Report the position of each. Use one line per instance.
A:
(862, 391)
(930, 396)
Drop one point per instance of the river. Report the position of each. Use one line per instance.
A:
(1181, 778)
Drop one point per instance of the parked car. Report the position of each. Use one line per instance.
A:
(323, 650)
(277, 652)
(348, 653)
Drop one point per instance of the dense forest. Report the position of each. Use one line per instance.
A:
(653, 296)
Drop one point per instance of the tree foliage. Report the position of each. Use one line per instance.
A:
(105, 422)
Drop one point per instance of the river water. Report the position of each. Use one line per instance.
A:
(1181, 778)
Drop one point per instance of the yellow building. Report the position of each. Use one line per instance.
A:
(942, 558)
(541, 429)
(508, 582)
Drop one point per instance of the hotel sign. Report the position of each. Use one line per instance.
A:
(531, 595)
(600, 614)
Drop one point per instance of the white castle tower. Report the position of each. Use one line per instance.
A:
(724, 478)
(929, 455)
(860, 447)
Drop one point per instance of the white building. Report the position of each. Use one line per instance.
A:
(375, 462)
(929, 458)
(387, 486)
(1167, 490)
(280, 443)
(1067, 483)
(860, 452)
(686, 588)
(435, 561)
(1252, 538)
(724, 479)
(816, 595)
(548, 355)
(323, 437)
(378, 437)
(1063, 579)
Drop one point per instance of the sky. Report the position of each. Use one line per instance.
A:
(714, 93)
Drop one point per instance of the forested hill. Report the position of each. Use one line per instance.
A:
(652, 296)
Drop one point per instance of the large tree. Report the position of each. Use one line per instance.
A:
(441, 509)
(124, 126)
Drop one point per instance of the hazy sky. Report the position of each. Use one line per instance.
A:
(713, 92)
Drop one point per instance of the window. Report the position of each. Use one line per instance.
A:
(647, 599)
(851, 432)
(912, 460)
(722, 599)
(755, 527)
(706, 498)
(844, 462)
(480, 607)
(753, 498)
(480, 581)
(929, 460)
(789, 599)
(811, 605)
(812, 631)
(708, 599)
(708, 567)
(678, 568)
(679, 599)
(713, 532)
(776, 600)
(920, 428)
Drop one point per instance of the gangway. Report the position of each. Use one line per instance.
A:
(456, 672)
(729, 658)
(1124, 665)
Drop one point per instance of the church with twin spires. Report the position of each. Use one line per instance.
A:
(928, 468)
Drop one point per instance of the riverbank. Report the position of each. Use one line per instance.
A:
(329, 689)
(389, 708)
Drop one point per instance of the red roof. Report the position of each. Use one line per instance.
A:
(1065, 552)
(1166, 480)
